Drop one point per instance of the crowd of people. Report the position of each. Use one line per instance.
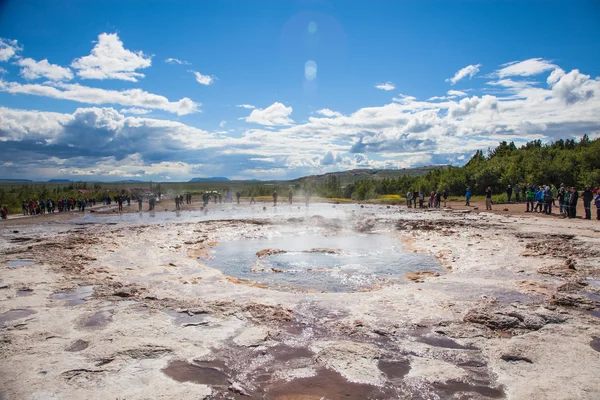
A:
(542, 199)
(539, 199)
(545, 198)
(50, 206)
(434, 200)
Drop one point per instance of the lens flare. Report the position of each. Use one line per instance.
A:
(310, 70)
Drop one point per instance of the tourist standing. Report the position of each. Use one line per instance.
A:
(560, 196)
(587, 197)
(139, 203)
(529, 197)
(548, 199)
(445, 196)
(468, 197)
(488, 198)
(517, 193)
(408, 199)
(509, 193)
(275, 195)
(573, 202)
(597, 203)
(421, 198)
(290, 196)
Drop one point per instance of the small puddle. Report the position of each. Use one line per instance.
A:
(442, 341)
(595, 343)
(24, 292)
(326, 384)
(451, 388)
(183, 371)
(78, 345)
(99, 319)
(183, 318)
(285, 353)
(75, 297)
(19, 263)
(393, 369)
(14, 315)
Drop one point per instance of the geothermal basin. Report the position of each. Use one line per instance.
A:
(287, 302)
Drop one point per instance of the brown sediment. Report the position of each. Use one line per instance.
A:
(183, 371)
(269, 252)
(233, 279)
(326, 384)
(420, 276)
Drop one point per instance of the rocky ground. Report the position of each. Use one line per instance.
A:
(105, 306)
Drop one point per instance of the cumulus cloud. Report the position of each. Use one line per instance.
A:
(248, 106)
(90, 95)
(110, 60)
(468, 71)
(555, 76)
(326, 112)
(176, 61)
(8, 49)
(203, 79)
(473, 104)
(530, 67)
(386, 86)
(31, 69)
(403, 133)
(275, 114)
(575, 87)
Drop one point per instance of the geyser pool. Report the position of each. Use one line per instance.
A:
(340, 263)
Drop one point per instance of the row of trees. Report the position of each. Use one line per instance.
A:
(574, 163)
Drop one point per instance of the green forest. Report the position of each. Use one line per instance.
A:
(574, 163)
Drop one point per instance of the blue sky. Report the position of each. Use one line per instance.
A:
(279, 89)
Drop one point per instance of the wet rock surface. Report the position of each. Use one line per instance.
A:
(119, 302)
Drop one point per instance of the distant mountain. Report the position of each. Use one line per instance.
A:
(213, 179)
(59, 181)
(15, 180)
(129, 181)
(355, 175)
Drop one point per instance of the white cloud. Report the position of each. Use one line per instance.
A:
(248, 106)
(469, 70)
(222, 124)
(134, 110)
(456, 93)
(176, 61)
(575, 87)
(386, 86)
(203, 79)
(275, 114)
(110, 60)
(31, 69)
(403, 133)
(89, 95)
(473, 104)
(511, 84)
(533, 66)
(326, 112)
(8, 49)
(555, 76)
(3, 71)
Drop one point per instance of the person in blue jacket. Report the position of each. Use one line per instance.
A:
(539, 199)
(597, 204)
(468, 197)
